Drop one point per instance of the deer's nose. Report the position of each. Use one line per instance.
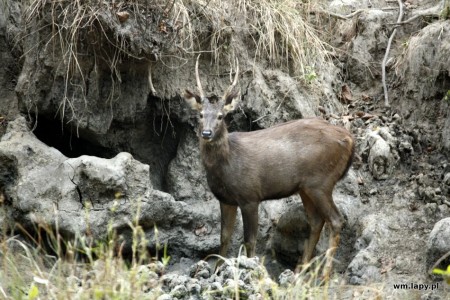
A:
(206, 134)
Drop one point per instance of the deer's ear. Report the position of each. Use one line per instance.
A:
(194, 100)
(231, 100)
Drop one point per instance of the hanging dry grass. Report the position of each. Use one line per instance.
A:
(166, 31)
(87, 37)
(284, 36)
(280, 30)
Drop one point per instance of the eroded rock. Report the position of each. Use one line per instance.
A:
(78, 196)
(438, 245)
(383, 155)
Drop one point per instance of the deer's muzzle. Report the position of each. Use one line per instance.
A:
(206, 134)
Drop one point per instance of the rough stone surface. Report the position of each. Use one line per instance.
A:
(365, 45)
(268, 90)
(83, 195)
(10, 65)
(424, 75)
(438, 245)
(382, 154)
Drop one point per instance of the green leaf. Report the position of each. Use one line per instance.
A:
(33, 293)
(166, 258)
(444, 273)
(438, 271)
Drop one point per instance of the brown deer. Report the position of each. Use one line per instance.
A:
(306, 156)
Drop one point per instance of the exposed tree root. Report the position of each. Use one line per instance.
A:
(386, 55)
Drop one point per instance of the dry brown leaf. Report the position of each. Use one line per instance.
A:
(366, 97)
(123, 16)
(367, 116)
(359, 114)
(322, 110)
(346, 94)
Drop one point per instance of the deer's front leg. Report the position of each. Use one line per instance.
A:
(227, 221)
(250, 220)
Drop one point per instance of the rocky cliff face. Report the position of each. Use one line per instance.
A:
(106, 134)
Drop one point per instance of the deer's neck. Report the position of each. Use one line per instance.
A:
(215, 152)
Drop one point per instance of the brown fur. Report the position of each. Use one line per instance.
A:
(306, 156)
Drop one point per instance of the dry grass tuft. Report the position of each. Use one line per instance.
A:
(84, 39)
(46, 266)
(27, 271)
(281, 33)
(284, 36)
(171, 31)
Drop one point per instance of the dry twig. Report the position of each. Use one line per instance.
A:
(386, 55)
(429, 12)
(342, 17)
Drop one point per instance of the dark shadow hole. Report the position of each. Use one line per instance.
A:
(66, 139)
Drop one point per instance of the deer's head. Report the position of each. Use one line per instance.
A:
(212, 110)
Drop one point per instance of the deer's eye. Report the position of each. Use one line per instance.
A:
(219, 116)
(201, 115)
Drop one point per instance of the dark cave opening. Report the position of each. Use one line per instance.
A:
(67, 140)
(152, 139)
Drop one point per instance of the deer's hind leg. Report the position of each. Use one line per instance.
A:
(316, 223)
(320, 207)
(336, 222)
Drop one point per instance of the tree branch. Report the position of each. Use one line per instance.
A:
(429, 12)
(386, 55)
(342, 17)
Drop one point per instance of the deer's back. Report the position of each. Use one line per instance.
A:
(276, 162)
